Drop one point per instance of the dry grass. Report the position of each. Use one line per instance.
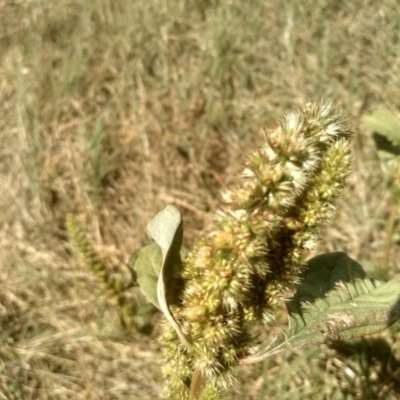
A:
(113, 109)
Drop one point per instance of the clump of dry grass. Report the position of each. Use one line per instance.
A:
(111, 109)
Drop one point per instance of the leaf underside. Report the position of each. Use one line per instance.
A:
(145, 265)
(156, 266)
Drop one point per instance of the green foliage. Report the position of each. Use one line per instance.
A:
(384, 124)
(145, 265)
(234, 277)
(156, 266)
(335, 301)
(322, 274)
(385, 128)
(166, 229)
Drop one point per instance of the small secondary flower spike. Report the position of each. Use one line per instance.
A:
(92, 260)
(113, 288)
(240, 270)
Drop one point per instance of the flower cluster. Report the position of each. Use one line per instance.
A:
(239, 271)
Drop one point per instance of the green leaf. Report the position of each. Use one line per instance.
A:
(166, 229)
(322, 274)
(145, 265)
(155, 267)
(355, 306)
(386, 124)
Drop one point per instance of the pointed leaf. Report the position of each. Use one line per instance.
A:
(355, 308)
(385, 123)
(166, 229)
(145, 265)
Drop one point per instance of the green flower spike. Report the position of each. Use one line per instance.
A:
(112, 288)
(132, 315)
(238, 272)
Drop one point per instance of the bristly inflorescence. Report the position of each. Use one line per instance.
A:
(113, 288)
(92, 260)
(268, 221)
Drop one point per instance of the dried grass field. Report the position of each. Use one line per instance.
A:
(112, 109)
